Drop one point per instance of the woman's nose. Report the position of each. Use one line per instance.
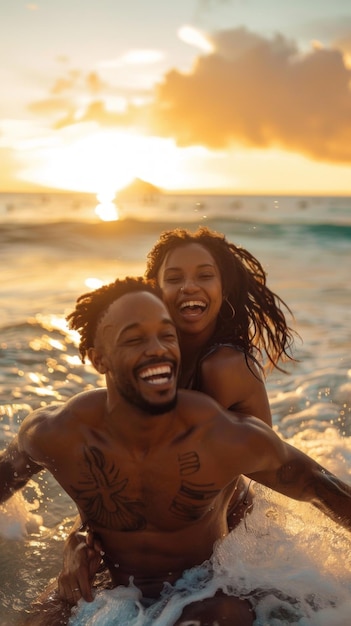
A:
(188, 286)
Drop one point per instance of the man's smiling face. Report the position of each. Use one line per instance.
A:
(138, 347)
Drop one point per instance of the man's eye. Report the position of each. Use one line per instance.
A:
(132, 340)
(170, 336)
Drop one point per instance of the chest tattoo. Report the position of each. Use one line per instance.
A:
(189, 463)
(193, 499)
(101, 494)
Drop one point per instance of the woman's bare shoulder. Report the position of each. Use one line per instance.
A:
(229, 355)
(235, 380)
(230, 362)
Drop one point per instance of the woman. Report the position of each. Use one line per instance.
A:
(217, 295)
(227, 319)
(228, 322)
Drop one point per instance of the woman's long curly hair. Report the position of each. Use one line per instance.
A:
(259, 322)
(91, 306)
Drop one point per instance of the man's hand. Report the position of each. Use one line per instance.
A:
(81, 560)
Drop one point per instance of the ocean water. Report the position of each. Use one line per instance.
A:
(294, 561)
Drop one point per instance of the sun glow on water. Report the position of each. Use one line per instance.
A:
(107, 210)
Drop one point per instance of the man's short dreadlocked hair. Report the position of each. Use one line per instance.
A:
(91, 306)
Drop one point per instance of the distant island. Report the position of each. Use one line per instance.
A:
(139, 190)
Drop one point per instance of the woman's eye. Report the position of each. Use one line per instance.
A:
(172, 279)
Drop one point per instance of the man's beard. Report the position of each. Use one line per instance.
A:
(156, 409)
(129, 393)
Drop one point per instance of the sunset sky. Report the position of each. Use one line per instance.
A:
(252, 96)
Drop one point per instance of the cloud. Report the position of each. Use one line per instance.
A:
(50, 106)
(66, 83)
(133, 57)
(249, 91)
(194, 37)
(77, 97)
(260, 92)
(69, 96)
(95, 111)
(75, 80)
(344, 43)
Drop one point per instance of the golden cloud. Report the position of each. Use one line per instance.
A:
(262, 93)
(249, 91)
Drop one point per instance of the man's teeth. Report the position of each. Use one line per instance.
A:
(157, 375)
(192, 304)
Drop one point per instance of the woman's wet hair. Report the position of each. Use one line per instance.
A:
(252, 316)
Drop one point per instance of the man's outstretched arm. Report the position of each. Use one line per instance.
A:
(16, 469)
(301, 478)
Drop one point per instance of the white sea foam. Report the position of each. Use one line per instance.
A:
(292, 564)
(18, 519)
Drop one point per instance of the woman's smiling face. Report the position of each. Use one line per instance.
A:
(192, 289)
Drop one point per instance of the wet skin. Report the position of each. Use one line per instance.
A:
(153, 483)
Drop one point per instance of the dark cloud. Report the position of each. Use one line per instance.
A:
(260, 92)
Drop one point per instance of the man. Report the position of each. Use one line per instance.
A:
(151, 470)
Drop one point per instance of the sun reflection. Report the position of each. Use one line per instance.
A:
(72, 360)
(93, 283)
(106, 210)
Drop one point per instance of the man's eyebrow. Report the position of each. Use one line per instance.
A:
(167, 321)
(129, 327)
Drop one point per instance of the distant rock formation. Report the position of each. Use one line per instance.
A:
(139, 191)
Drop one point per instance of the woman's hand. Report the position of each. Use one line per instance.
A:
(81, 560)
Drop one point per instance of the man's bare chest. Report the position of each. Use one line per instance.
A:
(120, 491)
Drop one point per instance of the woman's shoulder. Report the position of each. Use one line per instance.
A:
(222, 356)
(235, 380)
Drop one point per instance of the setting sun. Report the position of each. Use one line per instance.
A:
(104, 161)
(83, 158)
(91, 160)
